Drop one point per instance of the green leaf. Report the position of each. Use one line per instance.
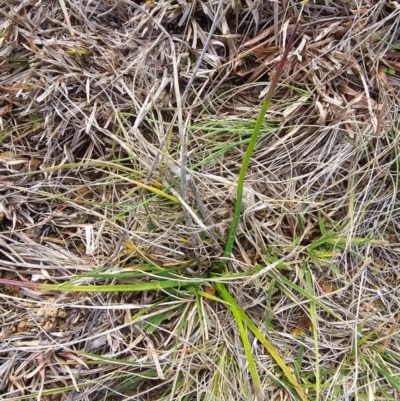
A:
(240, 315)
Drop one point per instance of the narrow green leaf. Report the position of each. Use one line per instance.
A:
(235, 309)
(314, 320)
(247, 157)
(241, 315)
(150, 286)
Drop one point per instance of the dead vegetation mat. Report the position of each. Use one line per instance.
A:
(100, 103)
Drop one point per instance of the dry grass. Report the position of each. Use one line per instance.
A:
(106, 168)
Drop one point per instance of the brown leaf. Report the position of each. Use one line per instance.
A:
(74, 357)
(322, 114)
(18, 86)
(34, 164)
(264, 34)
(327, 288)
(5, 110)
(208, 290)
(390, 63)
(303, 325)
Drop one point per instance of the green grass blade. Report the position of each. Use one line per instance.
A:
(282, 279)
(313, 313)
(138, 287)
(241, 314)
(235, 309)
(250, 149)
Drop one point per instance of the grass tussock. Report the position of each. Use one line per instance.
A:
(123, 126)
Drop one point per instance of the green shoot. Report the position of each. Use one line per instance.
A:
(250, 149)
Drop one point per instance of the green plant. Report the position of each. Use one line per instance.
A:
(242, 320)
(247, 157)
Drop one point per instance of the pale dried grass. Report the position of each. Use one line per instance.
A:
(77, 132)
